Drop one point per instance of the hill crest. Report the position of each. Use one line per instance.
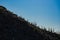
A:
(13, 27)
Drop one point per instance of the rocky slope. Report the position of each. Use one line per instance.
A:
(13, 27)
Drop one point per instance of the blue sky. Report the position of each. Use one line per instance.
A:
(43, 12)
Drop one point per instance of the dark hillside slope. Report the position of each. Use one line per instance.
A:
(13, 27)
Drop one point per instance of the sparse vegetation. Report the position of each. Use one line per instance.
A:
(13, 27)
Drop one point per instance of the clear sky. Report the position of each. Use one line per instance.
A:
(43, 12)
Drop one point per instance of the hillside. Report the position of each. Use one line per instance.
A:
(13, 27)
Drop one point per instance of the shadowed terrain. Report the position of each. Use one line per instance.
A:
(13, 27)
